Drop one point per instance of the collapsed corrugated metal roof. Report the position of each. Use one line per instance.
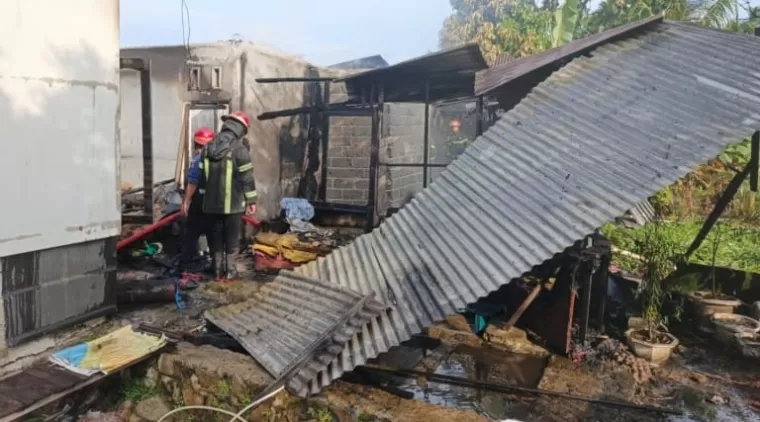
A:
(294, 319)
(587, 144)
(451, 74)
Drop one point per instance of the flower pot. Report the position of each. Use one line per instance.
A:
(703, 306)
(655, 353)
(735, 323)
(749, 345)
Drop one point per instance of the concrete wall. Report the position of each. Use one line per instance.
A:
(59, 110)
(402, 142)
(59, 114)
(277, 145)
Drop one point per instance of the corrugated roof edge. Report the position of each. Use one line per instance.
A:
(493, 78)
(404, 63)
(291, 337)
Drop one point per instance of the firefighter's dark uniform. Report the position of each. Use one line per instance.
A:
(196, 225)
(457, 144)
(229, 189)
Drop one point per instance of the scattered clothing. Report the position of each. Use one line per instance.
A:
(297, 209)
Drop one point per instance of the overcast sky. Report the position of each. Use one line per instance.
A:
(323, 32)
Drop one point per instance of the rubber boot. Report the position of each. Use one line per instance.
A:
(232, 266)
(217, 264)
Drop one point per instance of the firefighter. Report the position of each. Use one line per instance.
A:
(192, 205)
(456, 141)
(230, 191)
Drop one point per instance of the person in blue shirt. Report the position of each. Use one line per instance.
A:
(192, 207)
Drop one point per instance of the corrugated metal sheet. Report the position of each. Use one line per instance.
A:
(503, 58)
(288, 315)
(501, 73)
(598, 136)
(452, 75)
(642, 213)
(372, 62)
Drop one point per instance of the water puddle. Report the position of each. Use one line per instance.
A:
(482, 364)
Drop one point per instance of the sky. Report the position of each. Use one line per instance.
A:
(323, 32)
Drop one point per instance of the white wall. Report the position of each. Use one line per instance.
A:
(59, 109)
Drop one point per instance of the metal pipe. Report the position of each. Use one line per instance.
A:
(412, 165)
(297, 79)
(322, 196)
(374, 159)
(426, 136)
(506, 388)
(147, 139)
(479, 123)
(754, 161)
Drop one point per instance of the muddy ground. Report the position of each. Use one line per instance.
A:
(702, 380)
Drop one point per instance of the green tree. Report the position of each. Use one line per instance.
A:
(565, 20)
(515, 27)
(524, 27)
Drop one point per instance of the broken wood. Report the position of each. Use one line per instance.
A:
(527, 302)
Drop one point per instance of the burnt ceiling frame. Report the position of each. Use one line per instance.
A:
(368, 98)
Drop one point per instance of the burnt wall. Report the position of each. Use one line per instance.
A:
(402, 142)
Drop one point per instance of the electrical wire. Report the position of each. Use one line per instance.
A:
(233, 417)
(185, 12)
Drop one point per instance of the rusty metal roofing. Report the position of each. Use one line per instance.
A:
(451, 73)
(283, 322)
(587, 144)
(503, 58)
(506, 70)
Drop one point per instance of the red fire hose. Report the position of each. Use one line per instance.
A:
(163, 222)
(250, 220)
(147, 230)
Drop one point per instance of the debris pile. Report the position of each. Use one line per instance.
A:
(617, 352)
(286, 251)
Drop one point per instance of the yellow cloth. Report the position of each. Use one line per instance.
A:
(109, 353)
(289, 246)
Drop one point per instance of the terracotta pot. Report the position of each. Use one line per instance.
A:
(653, 352)
(704, 306)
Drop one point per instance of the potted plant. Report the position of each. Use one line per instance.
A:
(652, 341)
(705, 303)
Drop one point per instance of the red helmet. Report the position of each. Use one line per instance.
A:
(240, 117)
(203, 136)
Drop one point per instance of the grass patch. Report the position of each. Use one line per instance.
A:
(737, 247)
(135, 390)
(320, 414)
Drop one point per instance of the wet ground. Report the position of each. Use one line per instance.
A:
(704, 381)
(482, 364)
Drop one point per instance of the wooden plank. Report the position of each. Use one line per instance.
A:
(45, 400)
(22, 388)
(9, 405)
(54, 375)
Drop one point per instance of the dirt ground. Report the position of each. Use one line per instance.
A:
(703, 381)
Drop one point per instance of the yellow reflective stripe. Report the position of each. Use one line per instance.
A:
(251, 194)
(228, 187)
(201, 191)
(205, 167)
(245, 167)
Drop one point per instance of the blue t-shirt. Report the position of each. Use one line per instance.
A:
(194, 173)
